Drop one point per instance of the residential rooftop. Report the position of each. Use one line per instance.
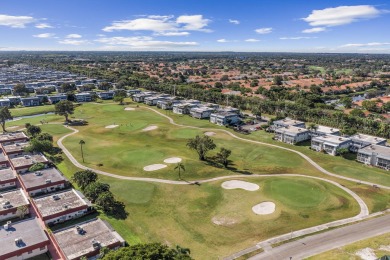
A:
(380, 150)
(7, 174)
(2, 158)
(288, 121)
(38, 178)
(367, 138)
(8, 137)
(28, 160)
(291, 129)
(331, 139)
(12, 199)
(29, 231)
(326, 129)
(59, 202)
(15, 148)
(78, 240)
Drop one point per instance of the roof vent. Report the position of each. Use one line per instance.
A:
(18, 241)
(95, 244)
(340, 139)
(65, 206)
(38, 173)
(27, 156)
(48, 180)
(7, 225)
(55, 197)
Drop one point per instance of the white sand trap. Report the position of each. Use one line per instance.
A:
(223, 221)
(234, 184)
(366, 254)
(129, 108)
(154, 167)
(384, 248)
(150, 128)
(209, 133)
(172, 160)
(112, 126)
(264, 208)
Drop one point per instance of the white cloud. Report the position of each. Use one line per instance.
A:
(193, 22)
(222, 40)
(234, 21)
(162, 24)
(370, 44)
(15, 21)
(44, 35)
(252, 40)
(297, 38)
(143, 42)
(172, 34)
(314, 30)
(264, 30)
(43, 26)
(73, 36)
(74, 42)
(341, 15)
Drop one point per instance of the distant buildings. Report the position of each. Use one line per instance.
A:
(10, 201)
(375, 155)
(330, 143)
(292, 134)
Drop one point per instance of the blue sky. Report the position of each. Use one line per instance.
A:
(196, 25)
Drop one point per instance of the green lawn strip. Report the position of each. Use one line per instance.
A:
(380, 245)
(27, 111)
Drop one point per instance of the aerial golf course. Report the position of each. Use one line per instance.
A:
(213, 219)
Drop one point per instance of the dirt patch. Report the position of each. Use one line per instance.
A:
(154, 167)
(223, 221)
(209, 133)
(366, 254)
(235, 184)
(150, 128)
(112, 126)
(172, 160)
(264, 208)
(129, 108)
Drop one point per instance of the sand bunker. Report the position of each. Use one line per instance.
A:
(149, 128)
(234, 184)
(366, 254)
(154, 167)
(129, 108)
(264, 208)
(209, 133)
(112, 126)
(172, 160)
(223, 221)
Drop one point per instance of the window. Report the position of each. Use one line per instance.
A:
(29, 252)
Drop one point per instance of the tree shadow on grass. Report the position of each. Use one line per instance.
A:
(118, 211)
(212, 162)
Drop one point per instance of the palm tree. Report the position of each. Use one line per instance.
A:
(82, 142)
(180, 167)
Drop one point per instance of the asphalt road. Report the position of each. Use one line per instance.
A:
(313, 245)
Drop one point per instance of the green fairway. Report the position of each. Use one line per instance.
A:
(131, 149)
(27, 111)
(185, 214)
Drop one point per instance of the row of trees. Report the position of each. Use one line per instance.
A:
(99, 193)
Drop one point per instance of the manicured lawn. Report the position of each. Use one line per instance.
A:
(183, 214)
(379, 244)
(27, 111)
(131, 149)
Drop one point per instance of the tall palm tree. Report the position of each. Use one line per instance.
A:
(180, 167)
(82, 142)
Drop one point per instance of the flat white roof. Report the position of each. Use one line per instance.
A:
(331, 139)
(367, 138)
(291, 129)
(327, 129)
